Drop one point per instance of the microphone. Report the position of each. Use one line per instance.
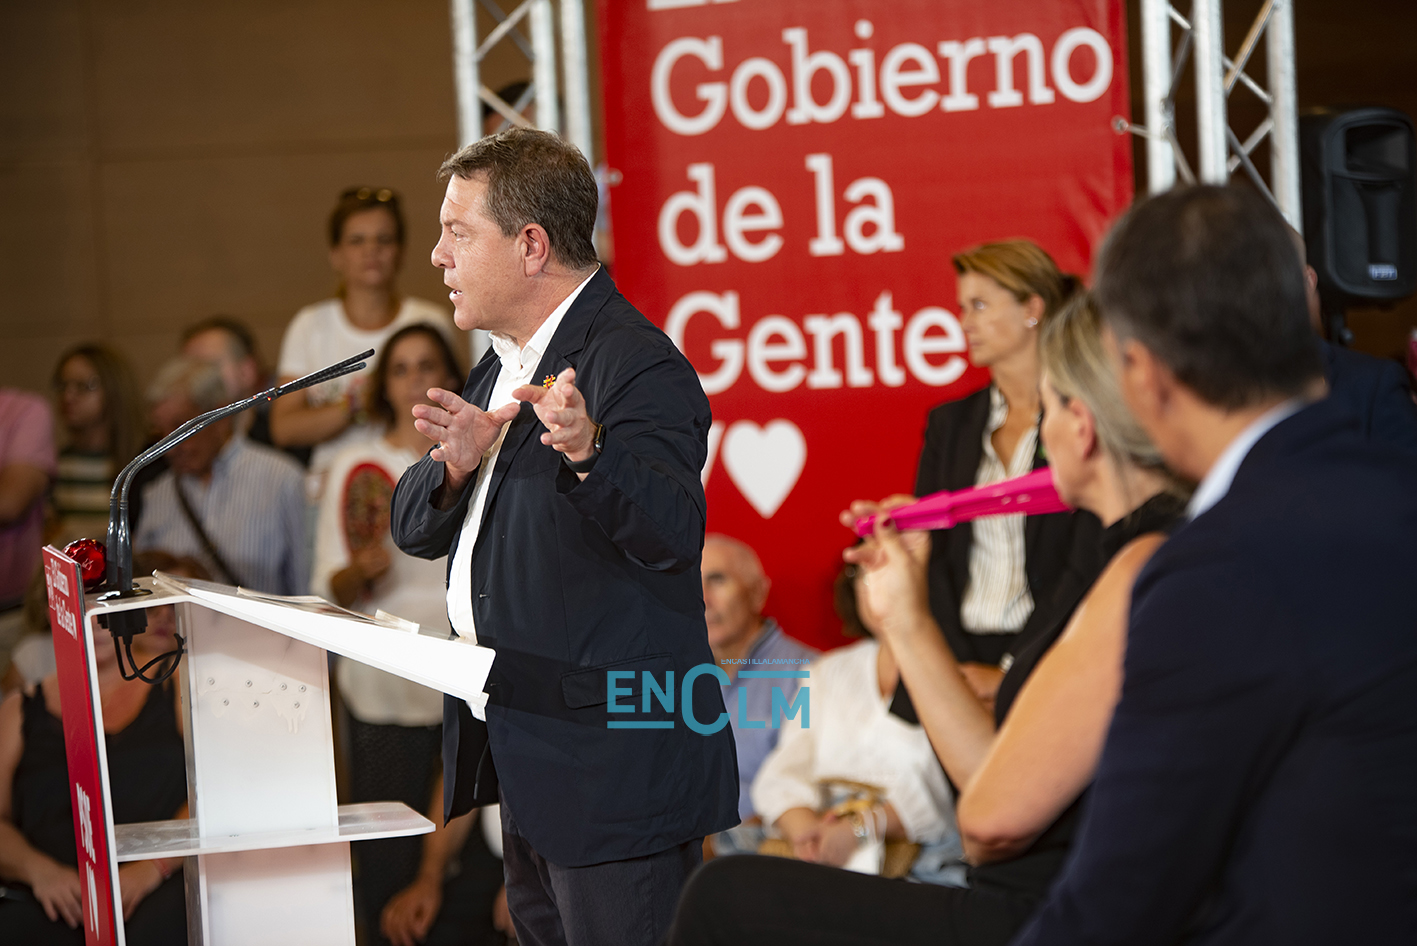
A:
(1032, 494)
(119, 581)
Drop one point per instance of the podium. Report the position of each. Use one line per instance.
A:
(266, 843)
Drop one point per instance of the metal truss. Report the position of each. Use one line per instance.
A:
(538, 44)
(1220, 148)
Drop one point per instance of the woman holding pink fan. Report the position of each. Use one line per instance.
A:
(1023, 770)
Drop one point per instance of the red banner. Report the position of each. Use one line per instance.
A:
(84, 750)
(793, 177)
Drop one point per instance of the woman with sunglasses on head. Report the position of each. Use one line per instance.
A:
(1024, 768)
(366, 234)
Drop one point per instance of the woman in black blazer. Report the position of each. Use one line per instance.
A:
(991, 583)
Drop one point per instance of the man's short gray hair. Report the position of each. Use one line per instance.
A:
(199, 381)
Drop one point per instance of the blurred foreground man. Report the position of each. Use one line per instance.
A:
(565, 492)
(1257, 781)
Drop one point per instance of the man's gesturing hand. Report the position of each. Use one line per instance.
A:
(463, 431)
(562, 409)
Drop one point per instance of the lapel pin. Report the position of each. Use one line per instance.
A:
(547, 381)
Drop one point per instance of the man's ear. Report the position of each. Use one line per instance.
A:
(1148, 385)
(760, 595)
(535, 248)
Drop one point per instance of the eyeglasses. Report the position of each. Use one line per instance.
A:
(382, 195)
(78, 387)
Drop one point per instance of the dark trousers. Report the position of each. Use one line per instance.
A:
(619, 903)
(772, 901)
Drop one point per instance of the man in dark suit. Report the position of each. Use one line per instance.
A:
(1257, 781)
(565, 492)
(1378, 391)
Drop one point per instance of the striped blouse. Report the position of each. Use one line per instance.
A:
(997, 599)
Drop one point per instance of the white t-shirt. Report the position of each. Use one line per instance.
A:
(412, 588)
(321, 335)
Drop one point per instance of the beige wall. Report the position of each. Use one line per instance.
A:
(163, 161)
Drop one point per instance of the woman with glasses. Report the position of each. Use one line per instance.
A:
(101, 420)
(366, 233)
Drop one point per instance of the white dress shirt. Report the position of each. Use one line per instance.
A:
(1216, 484)
(518, 365)
(997, 599)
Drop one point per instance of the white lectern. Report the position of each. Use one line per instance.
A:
(267, 845)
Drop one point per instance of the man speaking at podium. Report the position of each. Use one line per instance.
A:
(565, 492)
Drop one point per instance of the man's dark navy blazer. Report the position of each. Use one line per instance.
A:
(571, 579)
(1377, 391)
(1259, 780)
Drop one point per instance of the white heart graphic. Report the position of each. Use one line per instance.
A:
(764, 462)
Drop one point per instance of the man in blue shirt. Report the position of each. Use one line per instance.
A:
(742, 638)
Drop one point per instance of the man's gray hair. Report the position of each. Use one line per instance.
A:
(199, 381)
(535, 177)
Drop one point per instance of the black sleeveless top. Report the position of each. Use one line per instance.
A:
(147, 773)
(1032, 872)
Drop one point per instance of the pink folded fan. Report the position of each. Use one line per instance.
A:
(1032, 494)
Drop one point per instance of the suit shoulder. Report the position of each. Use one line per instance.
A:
(621, 329)
(953, 413)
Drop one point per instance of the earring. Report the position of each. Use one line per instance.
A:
(1031, 323)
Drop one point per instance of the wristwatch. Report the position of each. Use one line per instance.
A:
(597, 445)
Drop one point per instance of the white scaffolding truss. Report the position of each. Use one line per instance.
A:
(538, 44)
(1199, 36)
(1220, 149)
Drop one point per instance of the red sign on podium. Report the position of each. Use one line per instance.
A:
(794, 176)
(84, 749)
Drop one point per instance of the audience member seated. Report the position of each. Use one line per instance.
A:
(235, 506)
(42, 902)
(987, 577)
(395, 725)
(229, 345)
(102, 421)
(856, 769)
(366, 233)
(26, 468)
(1256, 785)
(457, 897)
(740, 636)
(1026, 766)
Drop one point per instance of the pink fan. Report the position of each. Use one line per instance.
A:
(1032, 494)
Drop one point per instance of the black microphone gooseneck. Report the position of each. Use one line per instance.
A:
(119, 582)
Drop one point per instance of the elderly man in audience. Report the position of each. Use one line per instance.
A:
(742, 638)
(228, 344)
(235, 506)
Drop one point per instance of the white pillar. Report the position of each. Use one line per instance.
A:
(543, 44)
(1209, 38)
(1283, 111)
(1156, 74)
(465, 78)
(577, 69)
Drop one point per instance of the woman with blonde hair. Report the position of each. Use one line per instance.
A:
(1024, 768)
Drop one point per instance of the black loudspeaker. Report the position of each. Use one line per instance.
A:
(1360, 203)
